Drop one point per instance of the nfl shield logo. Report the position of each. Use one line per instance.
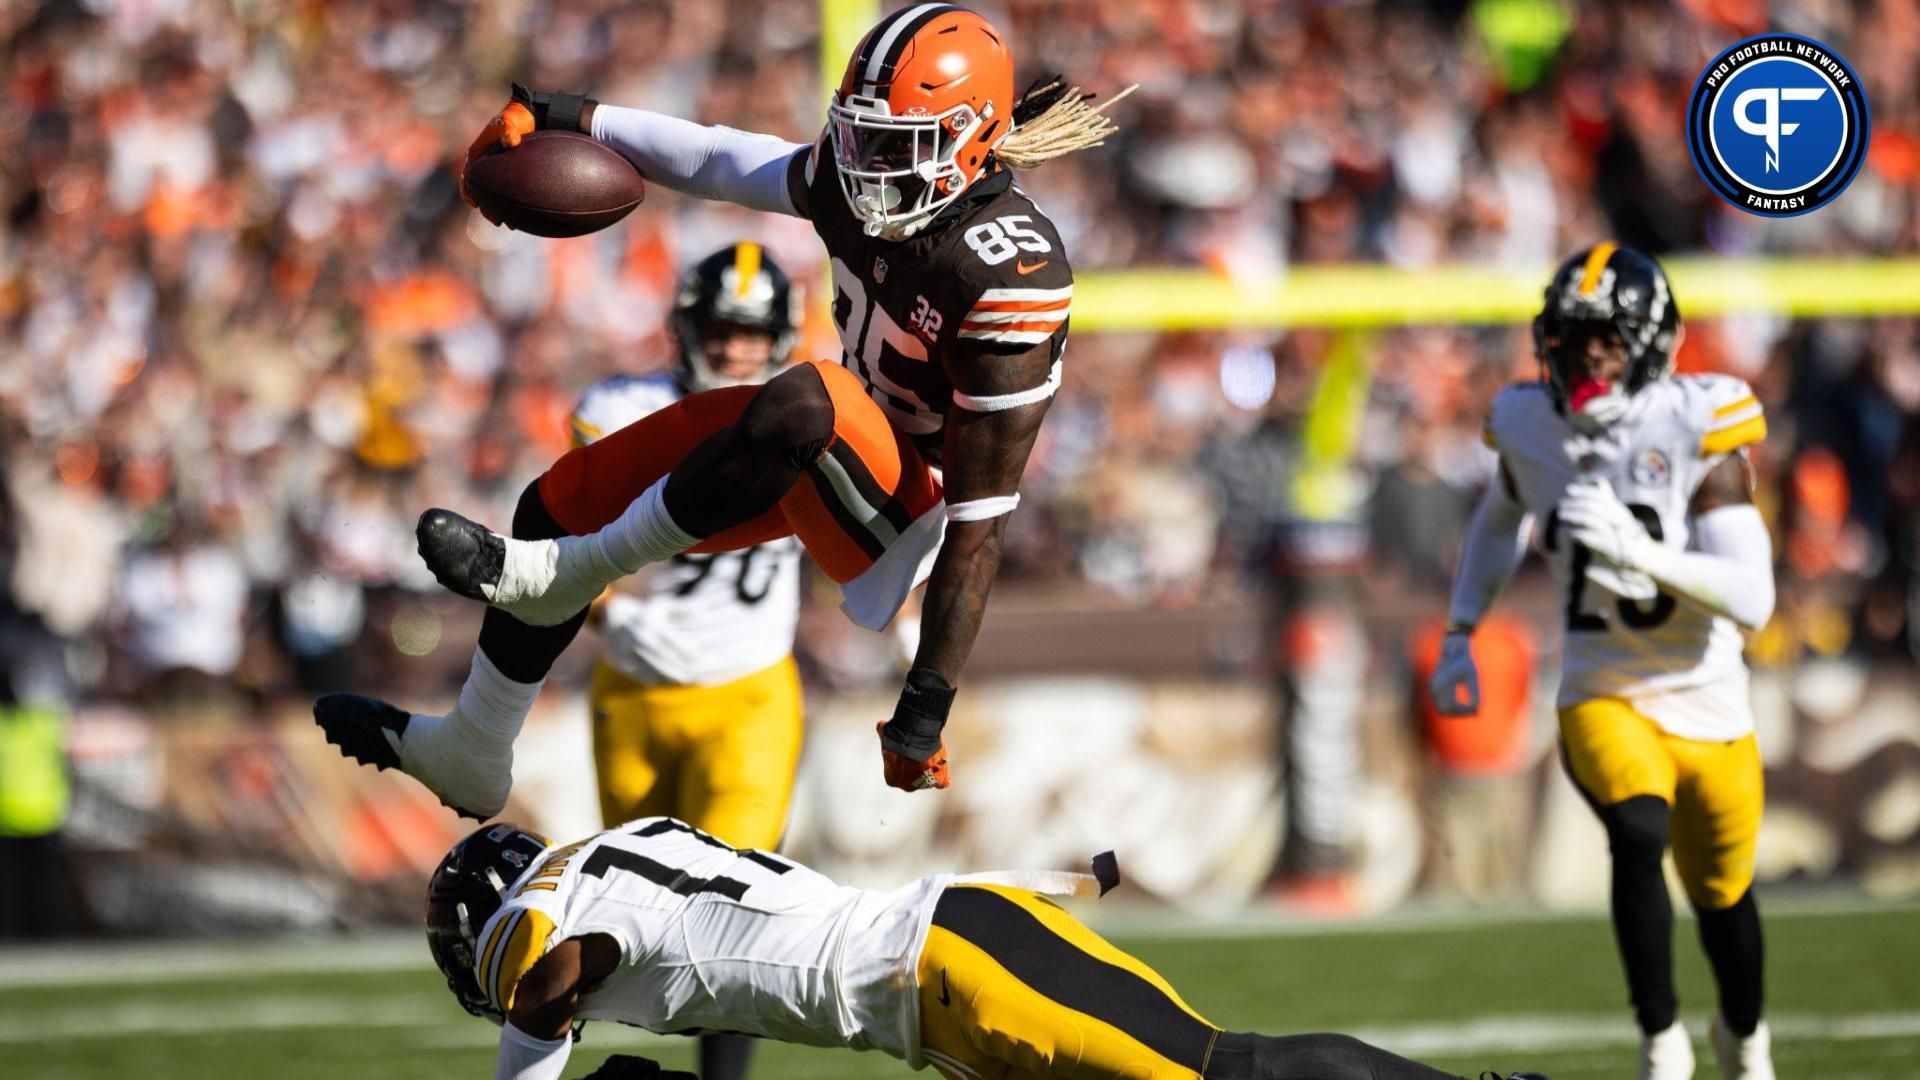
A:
(879, 269)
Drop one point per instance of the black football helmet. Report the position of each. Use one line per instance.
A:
(1606, 287)
(466, 889)
(735, 286)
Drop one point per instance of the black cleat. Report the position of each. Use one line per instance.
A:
(358, 726)
(1514, 1076)
(463, 555)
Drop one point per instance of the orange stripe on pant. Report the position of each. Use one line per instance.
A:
(594, 484)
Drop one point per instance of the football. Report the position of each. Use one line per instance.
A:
(556, 183)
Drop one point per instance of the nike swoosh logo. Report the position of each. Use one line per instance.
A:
(945, 998)
(1023, 269)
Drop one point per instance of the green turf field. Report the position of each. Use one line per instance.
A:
(1466, 995)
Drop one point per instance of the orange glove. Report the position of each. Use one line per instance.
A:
(912, 754)
(514, 122)
(907, 774)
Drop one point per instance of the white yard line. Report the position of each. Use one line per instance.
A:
(118, 963)
(114, 963)
(1555, 1033)
(182, 1016)
(1152, 924)
(435, 1025)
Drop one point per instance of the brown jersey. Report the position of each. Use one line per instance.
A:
(987, 276)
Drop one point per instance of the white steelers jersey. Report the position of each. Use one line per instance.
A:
(702, 619)
(717, 939)
(1676, 665)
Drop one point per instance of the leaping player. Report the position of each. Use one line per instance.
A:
(1655, 544)
(951, 294)
(658, 925)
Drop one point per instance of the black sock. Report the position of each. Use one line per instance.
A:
(725, 1057)
(1642, 910)
(1736, 950)
(1248, 1056)
(526, 653)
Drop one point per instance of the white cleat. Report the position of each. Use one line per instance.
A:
(1750, 1058)
(470, 775)
(1667, 1055)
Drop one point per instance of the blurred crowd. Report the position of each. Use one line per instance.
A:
(249, 330)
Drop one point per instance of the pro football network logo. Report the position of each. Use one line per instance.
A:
(1778, 125)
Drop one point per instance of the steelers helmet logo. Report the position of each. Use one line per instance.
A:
(1777, 125)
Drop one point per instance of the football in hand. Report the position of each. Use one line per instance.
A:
(556, 183)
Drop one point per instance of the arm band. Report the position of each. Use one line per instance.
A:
(914, 731)
(1729, 569)
(982, 509)
(552, 110)
(705, 162)
(1496, 541)
(523, 1057)
(1003, 402)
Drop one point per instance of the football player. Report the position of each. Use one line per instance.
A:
(696, 700)
(951, 294)
(1660, 558)
(661, 926)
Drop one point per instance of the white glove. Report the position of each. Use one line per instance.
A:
(1596, 518)
(1456, 681)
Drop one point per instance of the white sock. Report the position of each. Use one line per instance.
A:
(547, 582)
(492, 707)
(643, 534)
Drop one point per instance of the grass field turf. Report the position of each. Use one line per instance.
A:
(1466, 995)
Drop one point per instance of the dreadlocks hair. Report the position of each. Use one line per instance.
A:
(1053, 119)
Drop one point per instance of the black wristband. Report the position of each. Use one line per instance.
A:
(550, 109)
(914, 731)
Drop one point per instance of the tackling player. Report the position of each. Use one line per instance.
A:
(1661, 557)
(951, 294)
(658, 925)
(696, 700)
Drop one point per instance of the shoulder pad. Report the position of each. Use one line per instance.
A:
(619, 400)
(520, 935)
(1510, 406)
(1724, 410)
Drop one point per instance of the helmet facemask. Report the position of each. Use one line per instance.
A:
(897, 172)
(1592, 401)
(1630, 311)
(466, 889)
(723, 294)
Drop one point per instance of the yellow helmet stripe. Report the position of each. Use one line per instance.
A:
(1596, 263)
(746, 267)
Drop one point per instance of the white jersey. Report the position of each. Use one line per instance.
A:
(1674, 664)
(704, 619)
(717, 939)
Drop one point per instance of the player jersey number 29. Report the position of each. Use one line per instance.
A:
(1579, 619)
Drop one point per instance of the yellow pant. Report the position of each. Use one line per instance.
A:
(1715, 789)
(720, 758)
(1014, 988)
